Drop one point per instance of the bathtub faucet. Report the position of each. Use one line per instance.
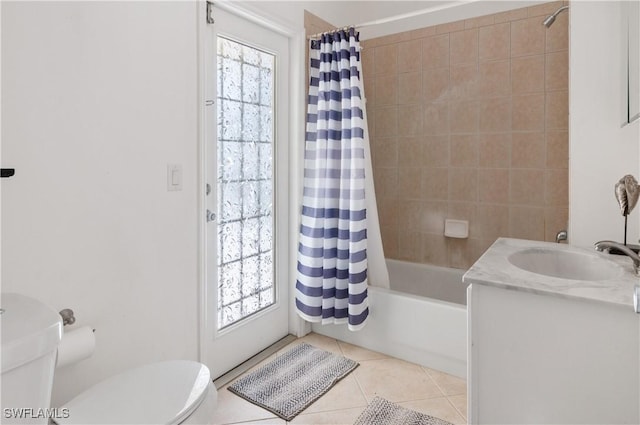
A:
(604, 246)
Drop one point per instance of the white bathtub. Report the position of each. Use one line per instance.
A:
(422, 319)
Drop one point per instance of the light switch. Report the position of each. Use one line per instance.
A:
(174, 177)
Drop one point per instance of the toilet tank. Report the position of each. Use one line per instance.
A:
(30, 334)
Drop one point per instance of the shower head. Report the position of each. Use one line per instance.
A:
(549, 20)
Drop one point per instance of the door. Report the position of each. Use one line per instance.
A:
(246, 79)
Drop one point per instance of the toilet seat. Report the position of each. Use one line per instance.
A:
(159, 393)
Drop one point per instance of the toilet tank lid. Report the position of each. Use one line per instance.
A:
(30, 329)
(158, 393)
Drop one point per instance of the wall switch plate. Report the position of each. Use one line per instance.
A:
(174, 177)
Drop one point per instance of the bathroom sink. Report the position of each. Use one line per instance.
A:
(565, 264)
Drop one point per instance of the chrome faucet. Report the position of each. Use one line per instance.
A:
(562, 235)
(604, 246)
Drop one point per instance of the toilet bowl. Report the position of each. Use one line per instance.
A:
(169, 392)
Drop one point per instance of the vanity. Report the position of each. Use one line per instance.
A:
(553, 336)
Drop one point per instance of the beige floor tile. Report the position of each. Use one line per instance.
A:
(334, 417)
(460, 403)
(358, 353)
(395, 380)
(232, 409)
(449, 384)
(438, 407)
(275, 421)
(316, 340)
(345, 394)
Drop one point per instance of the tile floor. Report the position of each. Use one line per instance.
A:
(407, 384)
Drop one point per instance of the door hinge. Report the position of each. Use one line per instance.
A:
(210, 19)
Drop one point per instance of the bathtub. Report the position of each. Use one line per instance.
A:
(421, 319)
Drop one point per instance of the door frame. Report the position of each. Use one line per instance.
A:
(297, 44)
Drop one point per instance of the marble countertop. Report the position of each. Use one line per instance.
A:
(494, 269)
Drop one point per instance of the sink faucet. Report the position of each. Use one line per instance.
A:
(604, 246)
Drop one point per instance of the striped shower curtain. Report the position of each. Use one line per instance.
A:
(331, 285)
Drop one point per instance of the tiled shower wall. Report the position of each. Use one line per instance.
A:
(468, 120)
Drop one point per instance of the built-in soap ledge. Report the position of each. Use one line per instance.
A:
(458, 229)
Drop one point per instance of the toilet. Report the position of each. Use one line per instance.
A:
(169, 392)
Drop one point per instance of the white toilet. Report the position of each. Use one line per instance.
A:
(170, 392)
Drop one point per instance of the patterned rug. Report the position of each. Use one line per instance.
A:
(384, 412)
(292, 381)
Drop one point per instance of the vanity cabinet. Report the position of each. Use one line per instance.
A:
(542, 359)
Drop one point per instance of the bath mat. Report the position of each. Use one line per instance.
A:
(383, 412)
(292, 381)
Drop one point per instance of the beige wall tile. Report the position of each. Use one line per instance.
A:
(557, 187)
(463, 184)
(385, 152)
(557, 149)
(409, 183)
(493, 185)
(528, 112)
(386, 122)
(409, 120)
(464, 150)
(386, 88)
(449, 27)
(435, 84)
(493, 221)
(527, 74)
(480, 21)
(463, 47)
(433, 215)
(390, 241)
(557, 36)
(528, 150)
(436, 119)
(464, 116)
(527, 37)
(495, 115)
(410, 245)
(557, 110)
(468, 120)
(410, 56)
(386, 181)
(386, 60)
(435, 250)
(436, 151)
(526, 186)
(526, 223)
(435, 183)
(410, 151)
(495, 149)
(495, 79)
(557, 71)
(555, 219)
(435, 52)
(410, 88)
(494, 42)
(410, 215)
(464, 82)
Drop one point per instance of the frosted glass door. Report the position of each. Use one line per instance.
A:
(247, 171)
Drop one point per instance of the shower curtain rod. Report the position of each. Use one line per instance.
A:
(397, 17)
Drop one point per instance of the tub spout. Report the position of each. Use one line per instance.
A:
(604, 246)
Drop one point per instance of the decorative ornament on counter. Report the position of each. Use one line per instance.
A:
(627, 192)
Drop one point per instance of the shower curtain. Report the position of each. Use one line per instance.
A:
(337, 207)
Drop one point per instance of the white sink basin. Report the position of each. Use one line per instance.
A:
(565, 264)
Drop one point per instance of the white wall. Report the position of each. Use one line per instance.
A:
(97, 98)
(600, 151)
